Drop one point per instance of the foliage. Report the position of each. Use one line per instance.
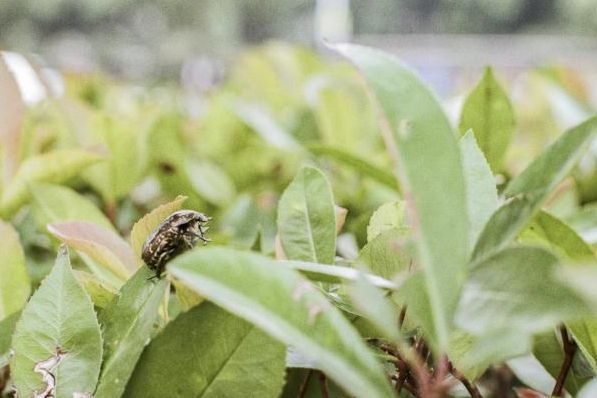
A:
(360, 243)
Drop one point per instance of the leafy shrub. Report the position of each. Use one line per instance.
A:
(349, 257)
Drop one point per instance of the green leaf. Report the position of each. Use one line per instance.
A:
(530, 189)
(553, 233)
(306, 218)
(421, 141)
(288, 307)
(549, 353)
(7, 327)
(488, 112)
(262, 122)
(375, 306)
(385, 255)
(125, 140)
(101, 294)
(55, 203)
(210, 182)
(481, 194)
(127, 323)
(555, 163)
(187, 297)
(413, 295)
(57, 339)
(241, 222)
(145, 226)
(339, 115)
(589, 390)
(102, 245)
(360, 165)
(388, 216)
(15, 286)
(53, 167)
(472, 355)
(584, 222)
(515, 289)
(585, 334)
(208, 352)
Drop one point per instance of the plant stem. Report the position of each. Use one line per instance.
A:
(470, 387)
(569, 350)
(409, 387)
(402, 375)
(305, 384)
(323, 385)
(401, 317)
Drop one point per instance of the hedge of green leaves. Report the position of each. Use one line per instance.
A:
(363, 244)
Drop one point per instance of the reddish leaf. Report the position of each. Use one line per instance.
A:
(12, 112)
(104, 246)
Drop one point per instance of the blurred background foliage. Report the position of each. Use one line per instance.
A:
(188, 108)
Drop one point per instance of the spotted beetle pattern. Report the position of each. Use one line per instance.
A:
(176, 234)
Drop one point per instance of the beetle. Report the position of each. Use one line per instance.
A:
(176, 234)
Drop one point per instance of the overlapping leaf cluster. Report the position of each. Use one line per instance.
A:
(357, 233)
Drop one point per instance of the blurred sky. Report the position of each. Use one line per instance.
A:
(149, 38)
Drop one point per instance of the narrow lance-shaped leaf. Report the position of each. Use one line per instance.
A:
(53, 167)
(126, 324)
(359, 164)
(423, 145)
(488, 112)
(529, 190)
(481, 193)
(209, 353)
(306, 218)
(288, 307)
(57, 343)
(14, 279)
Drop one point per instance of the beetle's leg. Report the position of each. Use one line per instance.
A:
(188, 241)
(200, 234)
